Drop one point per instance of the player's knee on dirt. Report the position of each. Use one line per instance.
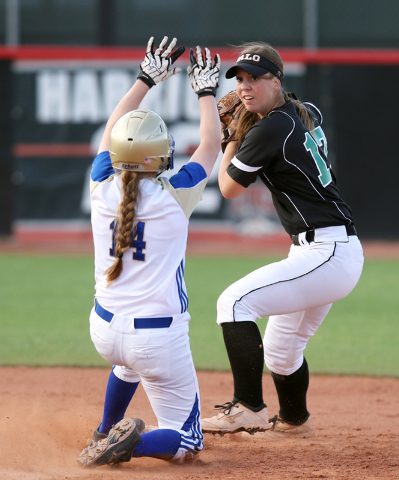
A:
(183, 456)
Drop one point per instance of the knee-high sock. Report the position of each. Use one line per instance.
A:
(245, 351)
(291, 392)
(117, 398)
(162, 443)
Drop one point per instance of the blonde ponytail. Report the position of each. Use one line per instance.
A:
(124, 224)
(303, 113)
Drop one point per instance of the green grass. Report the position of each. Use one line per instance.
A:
(360, 334)
(45, 303)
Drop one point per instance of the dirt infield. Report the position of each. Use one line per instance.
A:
(48, 413)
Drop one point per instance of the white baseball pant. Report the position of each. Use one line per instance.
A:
(296, 294)
(161, 359)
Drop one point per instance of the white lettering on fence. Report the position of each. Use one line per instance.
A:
(89, 96)
(52, 93)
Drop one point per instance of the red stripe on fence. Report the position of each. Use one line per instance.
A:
(52, 150)
(308, 56)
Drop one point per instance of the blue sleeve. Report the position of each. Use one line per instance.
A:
(188, 176)
(102, 167)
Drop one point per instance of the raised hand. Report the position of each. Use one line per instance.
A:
(157, 66)
(203, 73)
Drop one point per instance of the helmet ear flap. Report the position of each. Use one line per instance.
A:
(172, 152)
(140, 142)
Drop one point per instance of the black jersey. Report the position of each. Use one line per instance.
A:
(292, 163)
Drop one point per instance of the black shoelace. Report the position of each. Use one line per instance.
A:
(225, 408)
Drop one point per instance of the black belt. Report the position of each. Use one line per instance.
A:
(139, 322)
(309, 237)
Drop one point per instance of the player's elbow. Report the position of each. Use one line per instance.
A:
(227, 195)
(206, 155)
(230, 189)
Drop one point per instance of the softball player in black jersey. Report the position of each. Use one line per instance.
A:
(280, 140)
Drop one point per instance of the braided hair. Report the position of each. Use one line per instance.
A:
(124, 224)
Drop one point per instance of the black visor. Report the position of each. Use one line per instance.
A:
(255, 65)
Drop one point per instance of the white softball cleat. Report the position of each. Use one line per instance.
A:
(280, 429)
(234, 417)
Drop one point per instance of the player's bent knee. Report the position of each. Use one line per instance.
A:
(282, 365)
(230, 309)
(224, 307)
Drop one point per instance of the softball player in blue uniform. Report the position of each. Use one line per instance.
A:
(280, 140)
(140, 220)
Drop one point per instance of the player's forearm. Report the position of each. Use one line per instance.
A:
(229, 188)
(209, 125)
(230, 151)
(209, 147)
(131, 101)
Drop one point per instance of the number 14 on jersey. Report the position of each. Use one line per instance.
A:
(137, 242)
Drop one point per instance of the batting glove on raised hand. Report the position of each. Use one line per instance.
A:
(202, 73)
(157, 66)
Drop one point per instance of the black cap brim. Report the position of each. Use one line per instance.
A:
(255, 70)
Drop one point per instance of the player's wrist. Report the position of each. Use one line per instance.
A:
(226, 142)
(207, 92)
(146, 79)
